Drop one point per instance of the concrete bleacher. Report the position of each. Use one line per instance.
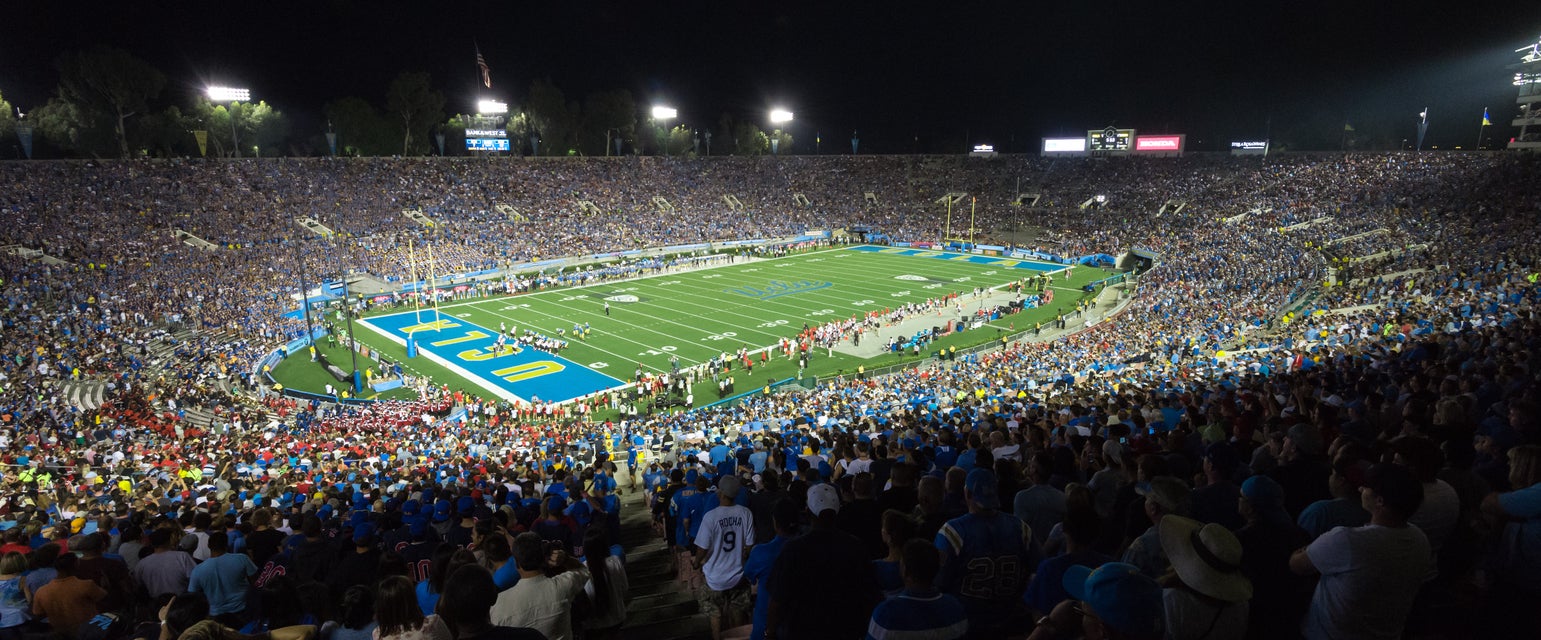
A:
(661, 608)
(510, 212)
(588, 207)
(315, 226)
(192, 240)
(734, 204)
(1307, 224)
(801, 200)
(417, 215)
(663, 204)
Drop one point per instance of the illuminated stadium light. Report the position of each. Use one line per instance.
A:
(665, 113)
(228, 94)
(491, 106)
(778, 116)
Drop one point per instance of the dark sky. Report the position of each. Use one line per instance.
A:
(950, 73)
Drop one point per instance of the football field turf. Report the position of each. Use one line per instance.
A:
(693, 315)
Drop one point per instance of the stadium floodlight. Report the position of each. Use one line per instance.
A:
(491, 106)
(778, 116)
(665, 113)
(228, 94)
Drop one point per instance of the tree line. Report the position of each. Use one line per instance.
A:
(110, 103)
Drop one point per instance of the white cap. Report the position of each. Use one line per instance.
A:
(823, 497)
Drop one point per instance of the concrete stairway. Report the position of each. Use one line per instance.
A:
(662, 608)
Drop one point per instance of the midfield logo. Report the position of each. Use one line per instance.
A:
(778, 288)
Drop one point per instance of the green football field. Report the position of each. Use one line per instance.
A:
(695, 315)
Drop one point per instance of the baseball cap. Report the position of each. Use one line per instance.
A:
(364, 533)
(410, 508)
(465, 505)
(983, 488)
(1263, 491)
(441, 511)
(1119, 595)
(823, 497)
(418, 526)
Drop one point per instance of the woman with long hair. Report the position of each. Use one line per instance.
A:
(398, 616)
(607, 589)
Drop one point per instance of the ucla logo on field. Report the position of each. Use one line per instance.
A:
(778, 288)
(912, 278)
(625, 297)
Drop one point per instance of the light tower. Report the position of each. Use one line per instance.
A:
(1527, 78)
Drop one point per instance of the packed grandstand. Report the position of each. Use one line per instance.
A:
(1329, 372)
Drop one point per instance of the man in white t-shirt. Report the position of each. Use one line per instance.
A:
(1371, 574)
(722, 544)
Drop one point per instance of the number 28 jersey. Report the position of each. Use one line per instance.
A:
(987, 558)
(726, 532)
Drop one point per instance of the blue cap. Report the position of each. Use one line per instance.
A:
(1119, 595)
(417, 526)
(983, 488)
(410, 507)
(325, 512)
(363, 533)
(464, 506)
(1263, 491)
(357, 518)
(360, 501)
(441, 511)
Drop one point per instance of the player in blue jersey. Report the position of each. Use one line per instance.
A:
(987, 557)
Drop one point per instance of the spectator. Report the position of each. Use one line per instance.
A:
(1040, 505)
(1206, 594)
(357, 621)
(822, 585)
(1279, 596)
(111, 573)
(607, 589)
(1345, 509)
(919, 610)
(1080, 530)
(1165, 496)
(1216, 500)
(722, 544)
(14, 608)
(1115, 602)
(67, 601)
(1440, 510)
(166, 571)
(397, 618)
(470, 596)
(224, 580)
(1516, 562)
(897, 529)
(1371, 574)
(540, 601)
(986, 535)
(762, 560)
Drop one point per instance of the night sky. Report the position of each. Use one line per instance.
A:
(909, 76)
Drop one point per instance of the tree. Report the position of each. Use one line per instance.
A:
(749, 140)
(360, 129)
(607, 115)
(7, 122)
(255, 125)
(165, 134)
(416, 107)
(69, 128)
(679, 140)
(552, 118)
(783, 141)
(110, 82)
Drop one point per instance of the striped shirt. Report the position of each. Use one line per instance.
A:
(918, 615)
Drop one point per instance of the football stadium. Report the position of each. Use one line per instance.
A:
(559, 368)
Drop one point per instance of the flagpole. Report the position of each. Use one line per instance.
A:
(1481, 128)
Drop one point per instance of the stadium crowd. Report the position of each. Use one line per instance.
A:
(1240, 451)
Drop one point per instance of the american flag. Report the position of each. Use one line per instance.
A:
(481, 63)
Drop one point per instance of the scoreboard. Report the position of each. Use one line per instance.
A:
(1110, 139)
